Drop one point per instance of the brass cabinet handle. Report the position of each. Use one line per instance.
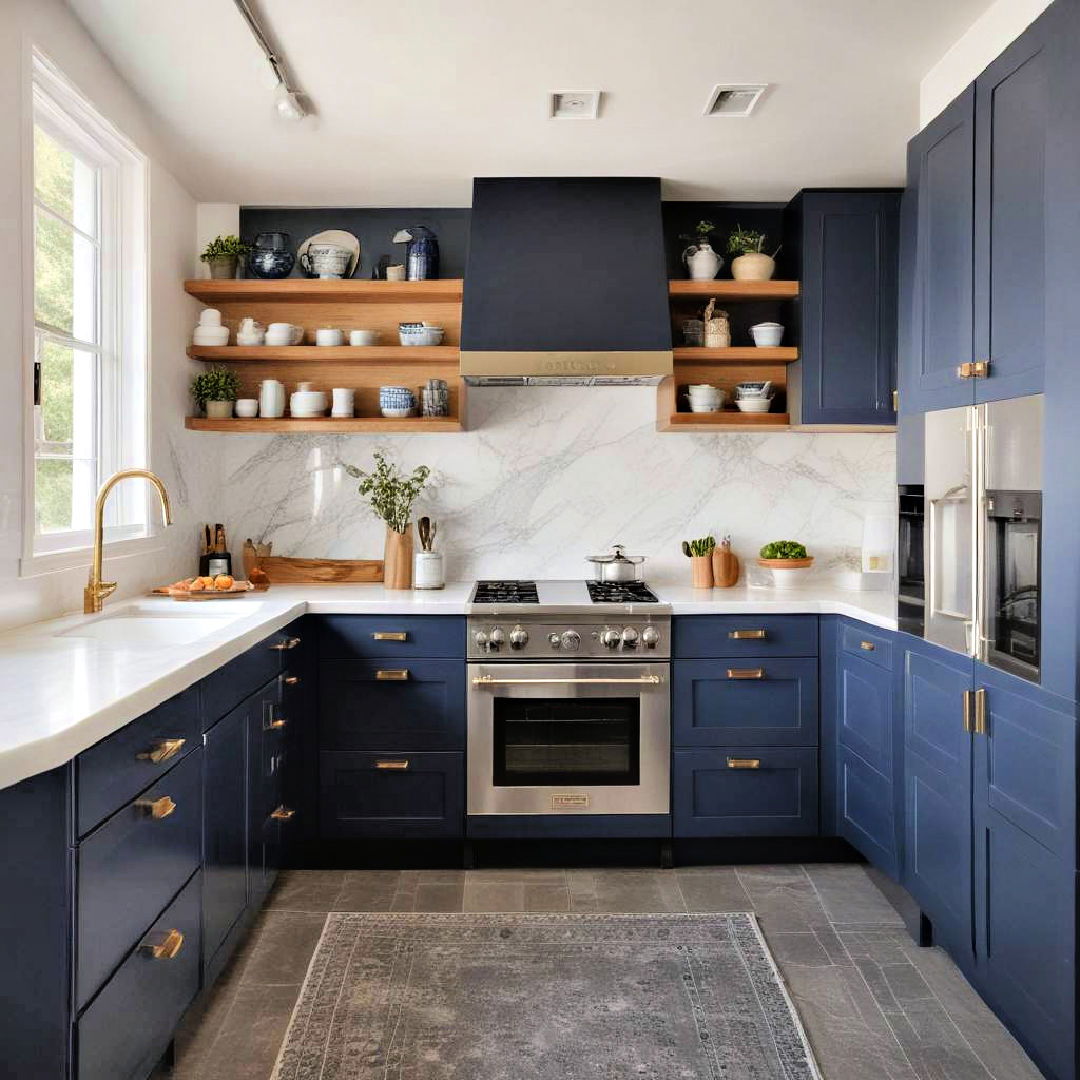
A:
(275, 724)
(746, 635)
(398, 766)
(981, 725)
(979, 369)
(746, 673)
(292, 680)
(162, 750)
(392, 675)
(390, 635)
(157, 808)
(163, 946)
(284, 646)
(282, 813)
(968, 702)
(744, 763)
(867, 646)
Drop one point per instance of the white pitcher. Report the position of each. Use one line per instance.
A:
(701, 261)
(271, 398)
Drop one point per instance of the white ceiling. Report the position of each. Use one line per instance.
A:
(415, 97)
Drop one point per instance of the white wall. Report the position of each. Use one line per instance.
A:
(174, 453)
(1003, 22)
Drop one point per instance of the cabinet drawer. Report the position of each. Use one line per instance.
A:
(397, 705)
(704, 636)
(870, 644)
(392, 794)
(736, 703)
(345, 636)
(225, 688)
(131, 867)
(129, 1025)
(864, 720)
(116, 769)
(746, 791)
(864, 810)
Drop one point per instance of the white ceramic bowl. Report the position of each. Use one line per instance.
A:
(790, 579)
(397, 414)
(307, 403)
(754, 404)
(210, 335)
(329, 336)
(247, 407)
(363, 337)
(767, 335)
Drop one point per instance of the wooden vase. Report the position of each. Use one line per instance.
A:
(701, 571)
(398, 559)
(725, 566)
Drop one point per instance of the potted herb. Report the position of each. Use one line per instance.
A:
(750, 262)
(223, 254)
(391, 495)
(699, 552)
(788, 561)
(701, 261)
(215, 390)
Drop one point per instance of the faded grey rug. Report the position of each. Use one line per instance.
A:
(543, 997)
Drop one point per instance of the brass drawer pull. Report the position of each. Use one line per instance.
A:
(283, 813)
(392, 675)
(867, 646)
(390, 635)
(284, 646)
(746, 635)
(398, 766)
(162, 750)
(157, 808)
(275, 724)
(292, 680)
(744, 763)
(165, 948)
(746, 673)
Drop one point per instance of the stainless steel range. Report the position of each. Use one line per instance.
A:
(569, 699)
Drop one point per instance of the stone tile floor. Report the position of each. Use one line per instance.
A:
(874, 1004)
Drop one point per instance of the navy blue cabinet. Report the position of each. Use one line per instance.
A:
(847, 245)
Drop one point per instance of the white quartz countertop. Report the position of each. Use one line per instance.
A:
(69, 682)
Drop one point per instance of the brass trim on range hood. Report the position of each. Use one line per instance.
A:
(525, 367)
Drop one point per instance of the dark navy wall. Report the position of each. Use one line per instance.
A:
(681, 217)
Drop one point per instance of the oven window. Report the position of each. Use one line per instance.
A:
(554, 741)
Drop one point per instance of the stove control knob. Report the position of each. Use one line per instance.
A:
(498, 638)
(610, 638)
(519, 637)
(570, 640)
(629, 638)
(481, 640)
(554, 641)
(650, 637)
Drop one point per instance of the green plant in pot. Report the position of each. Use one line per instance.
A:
(701, 261)
(391, 495)
(215, 390)
(223, 255)
(788, 561)
(699, 552)
(750, 263)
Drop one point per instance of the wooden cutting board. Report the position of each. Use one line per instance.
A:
(285, 571)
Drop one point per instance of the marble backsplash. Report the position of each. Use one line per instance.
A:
(546, 476)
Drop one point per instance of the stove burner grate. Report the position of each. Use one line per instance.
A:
(621, 592)
(506, 592)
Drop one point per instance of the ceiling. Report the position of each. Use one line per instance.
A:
(415, 97)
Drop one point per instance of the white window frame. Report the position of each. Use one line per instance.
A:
(123, 406)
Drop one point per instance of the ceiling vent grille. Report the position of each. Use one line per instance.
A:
(575, 105)
(735, 99)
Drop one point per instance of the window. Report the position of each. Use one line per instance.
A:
(89, 321)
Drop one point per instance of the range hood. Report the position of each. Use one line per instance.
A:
(566, 283)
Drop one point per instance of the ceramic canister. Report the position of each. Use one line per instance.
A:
(271, 398)
(428, 570)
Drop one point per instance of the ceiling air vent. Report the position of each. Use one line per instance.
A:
(735, 99)
(575, 105)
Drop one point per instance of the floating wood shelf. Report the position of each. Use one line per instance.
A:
(324, 425)
(726, 420)
(729, 289)
(737, 354)
(319, 290)
(308, 354)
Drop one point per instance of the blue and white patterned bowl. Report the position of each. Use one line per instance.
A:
(396, 397)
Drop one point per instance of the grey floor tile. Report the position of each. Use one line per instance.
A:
(421, 895)
(625, 891)
(306, 890)
(201, 1026)
(784, 898)
(802, 948)
(368, 890)
(849, 896)
(714, 888)
(494, 896)
(283, 945)
(544, 897)
(523, 876)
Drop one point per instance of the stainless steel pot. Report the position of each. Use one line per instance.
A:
(617, 566)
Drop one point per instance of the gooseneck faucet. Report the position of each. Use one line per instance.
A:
(96, 590)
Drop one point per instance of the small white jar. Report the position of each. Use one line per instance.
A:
(428, 570)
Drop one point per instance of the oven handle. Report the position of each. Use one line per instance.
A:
(638, 680)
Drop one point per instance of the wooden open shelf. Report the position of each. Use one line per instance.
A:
(729, 289)
(322, 354)
(319, 290)
(727, 420)
(324, 425)
(736, 354)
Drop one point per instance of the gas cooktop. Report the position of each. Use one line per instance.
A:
(537, 598)
(621, 592)
(505, 592)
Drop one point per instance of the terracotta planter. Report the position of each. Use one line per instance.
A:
(224, 266)
(701, 571)
(398, 559)
(754, 266)
(218, 410)
(725, 566)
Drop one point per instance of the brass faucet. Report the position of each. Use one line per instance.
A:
(96, 590)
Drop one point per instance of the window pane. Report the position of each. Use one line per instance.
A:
(65, 278)
(65, 183)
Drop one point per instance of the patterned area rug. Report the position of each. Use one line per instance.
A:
(543, 997)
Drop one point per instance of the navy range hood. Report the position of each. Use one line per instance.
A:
(566, 283)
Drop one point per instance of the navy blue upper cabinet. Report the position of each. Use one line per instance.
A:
(941, 161)
(846, 243)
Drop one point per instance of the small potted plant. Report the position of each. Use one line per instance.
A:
(223, 255)
(701, 261)
(391, 496)
(788, 561)
(750, 262)
(699, 552)
(215, 390)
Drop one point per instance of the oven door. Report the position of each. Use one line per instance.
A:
(569, 738)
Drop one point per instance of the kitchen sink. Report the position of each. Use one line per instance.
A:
(142, 627)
